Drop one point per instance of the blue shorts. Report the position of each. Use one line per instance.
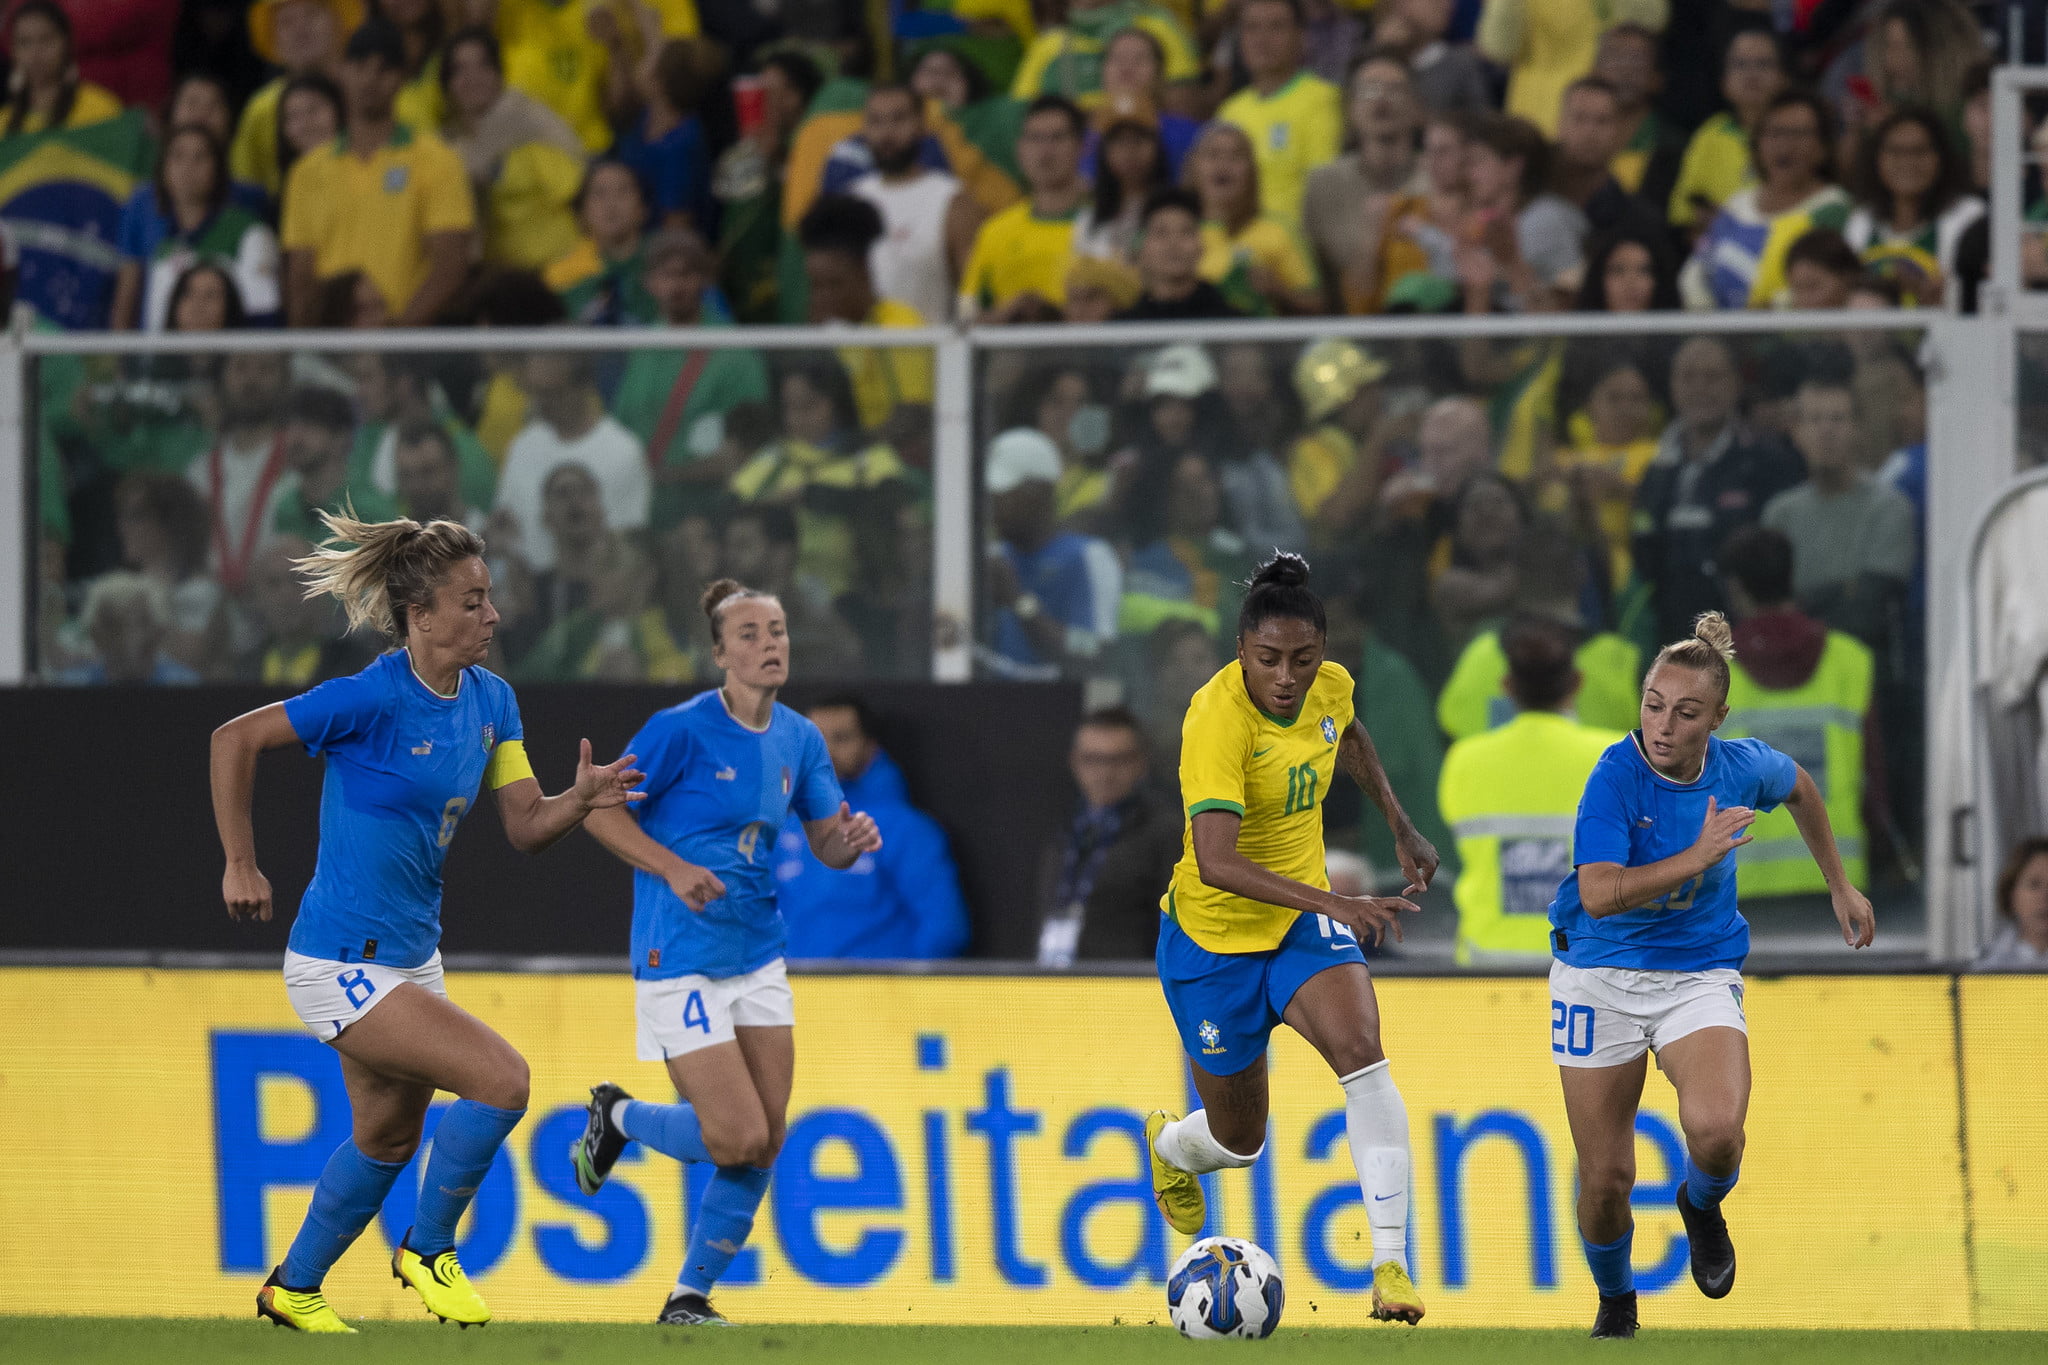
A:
(1226, 1004)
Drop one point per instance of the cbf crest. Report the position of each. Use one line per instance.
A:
(1211, 1035)
(1329, 730)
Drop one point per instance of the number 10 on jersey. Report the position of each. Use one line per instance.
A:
(1301, 789)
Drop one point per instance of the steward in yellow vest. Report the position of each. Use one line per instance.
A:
(1475, 697)
(1806, 691)
(1510, 796)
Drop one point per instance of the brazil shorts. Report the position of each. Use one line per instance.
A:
(1226, 1004)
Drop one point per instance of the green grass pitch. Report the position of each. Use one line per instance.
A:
(30, 1341)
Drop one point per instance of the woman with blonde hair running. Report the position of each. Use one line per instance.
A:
(1649, 944)
(407, 742)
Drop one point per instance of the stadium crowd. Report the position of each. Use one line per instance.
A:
(684, 165)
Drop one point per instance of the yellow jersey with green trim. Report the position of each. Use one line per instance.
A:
(1274, 774)
(1295, 129)
(1017, 252)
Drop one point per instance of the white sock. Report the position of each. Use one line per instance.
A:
(1186, 1144)
(1376, 1122)
(618, 1115)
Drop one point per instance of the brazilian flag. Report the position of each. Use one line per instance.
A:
(61, 194)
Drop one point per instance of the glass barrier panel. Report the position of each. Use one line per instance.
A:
(1468, 504)
(610, 489)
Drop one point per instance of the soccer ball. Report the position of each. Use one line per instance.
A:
(1223, 1287)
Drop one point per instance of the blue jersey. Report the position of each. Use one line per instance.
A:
(1632, 816)
(403, 766)
(717, 792)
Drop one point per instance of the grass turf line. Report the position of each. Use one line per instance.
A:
(200, 1341)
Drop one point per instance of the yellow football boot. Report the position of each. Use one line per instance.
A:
(1178, 1194)
(302, 1310)
(441, 1285)
(1393, 1294)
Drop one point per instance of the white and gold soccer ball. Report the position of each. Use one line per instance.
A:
(1225, 1287)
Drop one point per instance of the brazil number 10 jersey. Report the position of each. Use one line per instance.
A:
(1274, 774)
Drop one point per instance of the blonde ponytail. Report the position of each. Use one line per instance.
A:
(380, 570)
(1710, 650)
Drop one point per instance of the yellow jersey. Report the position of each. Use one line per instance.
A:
(1274, 774)
(1266, 242)
(550, 54)
(375, 215)
(1017, 252)
(883, 379)
(1295, 129)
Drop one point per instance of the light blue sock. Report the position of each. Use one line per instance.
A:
(722, 1225)
(1705, 1190)
(468, 1138)
(350, 1192)
(1612, 1271)
(671, 1129)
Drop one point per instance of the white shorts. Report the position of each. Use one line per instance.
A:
(685, 1013)
(329, 996)
(1605, 1016)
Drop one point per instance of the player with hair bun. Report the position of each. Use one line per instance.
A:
(1648, 946)
(1254, 937)
(712, 998)
(407, 742)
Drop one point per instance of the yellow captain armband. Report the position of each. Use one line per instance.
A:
(508, 764)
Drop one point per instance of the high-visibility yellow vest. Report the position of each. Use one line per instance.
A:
(1476, 696)
(1819, 725)
(1511, 796)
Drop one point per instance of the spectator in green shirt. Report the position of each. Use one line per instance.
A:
(318, 432)
(676, 401)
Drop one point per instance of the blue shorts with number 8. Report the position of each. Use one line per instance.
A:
(1227, 1004)
(676, 1015)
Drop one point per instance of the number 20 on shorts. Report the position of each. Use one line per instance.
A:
(1571, 1029)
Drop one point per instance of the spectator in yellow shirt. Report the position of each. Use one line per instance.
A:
(1017, 271)
(1245, 251)
(46, 90)
(1717, 160)
(1068, 60)
(525, 163)
(1548, 44)
(304, 37)
(892, 388)
(1295, 119)
(578, 56)
(390, 201)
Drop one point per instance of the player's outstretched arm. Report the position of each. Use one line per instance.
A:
(840, 838)
(1611, 889)
(232, 769)
(623, 838)
(534, 822)
(1852, 908)
(1357, 756)
(1225, 868)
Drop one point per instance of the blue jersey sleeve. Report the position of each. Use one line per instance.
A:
(1774, 773)
(338, 711)
(817, 794)
(509, 724)
(1601, 833)
(662, 751)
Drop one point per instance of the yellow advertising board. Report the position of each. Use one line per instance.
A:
(970, 1149)
(2004, 1079)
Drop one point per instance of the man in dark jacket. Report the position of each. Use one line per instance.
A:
(902, 901)
(1101, 882)
(1712, 476)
